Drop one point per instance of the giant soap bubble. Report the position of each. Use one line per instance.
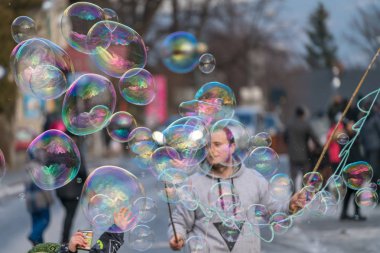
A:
(76, 22)
(125, 50)
(54, 160)
(106, 190)
(179, 52)
(41, 68)
(88, 104)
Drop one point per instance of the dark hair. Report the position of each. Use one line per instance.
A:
(230, 136)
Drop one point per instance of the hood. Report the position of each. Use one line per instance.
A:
(206, 169)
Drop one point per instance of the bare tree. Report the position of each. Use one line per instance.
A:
(366, 29)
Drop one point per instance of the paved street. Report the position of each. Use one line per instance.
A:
(308, 235)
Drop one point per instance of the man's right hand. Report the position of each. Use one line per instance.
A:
(176, 245)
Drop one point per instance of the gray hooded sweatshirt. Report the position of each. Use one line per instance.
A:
(251, 187)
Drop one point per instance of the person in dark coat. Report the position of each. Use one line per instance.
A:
(69, 194)
(297, 135)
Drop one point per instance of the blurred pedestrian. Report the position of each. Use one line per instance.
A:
(298, 134)
(38, 202)
(69, 194)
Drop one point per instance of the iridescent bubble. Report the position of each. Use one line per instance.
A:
(280, 222)
(207, 63)
(54, 160)
(141, 142)
(125, 50)
(147, 209)
(187, 133)
(378, 181)
(265, 160)
(164, 158)
(76, 23)
(342, 138)
(179, 52)
(366, 197)
(262, 139)
(3, 168)
(281, 187)
(137, 86)
(312, 181)
(357, 174)
(79, 180)
(188, 197)
(236, 147)
(258, 214)
(88, 104)
(110, 15)
(23, 28)
(337, 187)
(105, 192)
(218, 94)
(206, 111)
(120, 126)
(196, 244)
(41, 68)
(141, 238)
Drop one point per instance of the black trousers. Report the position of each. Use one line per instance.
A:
(70, 206)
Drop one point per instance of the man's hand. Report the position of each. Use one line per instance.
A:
(176, 245)
(299, 201)
(77, 240)
(122, 218)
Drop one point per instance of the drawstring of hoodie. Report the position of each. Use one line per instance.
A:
(221, 195)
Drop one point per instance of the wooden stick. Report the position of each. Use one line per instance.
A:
(170, 214)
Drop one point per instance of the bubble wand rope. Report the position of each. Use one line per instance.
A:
(170, 214)
(346, 110)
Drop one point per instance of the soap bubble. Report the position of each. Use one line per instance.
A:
(125, 49)
(41, 68)
(23, 28)
(207, 63)
(76, 22)
(120, 126)
(54, 160)
(88, 104)
(218, 94)
(105, 192)
(366, 197)
(141, 142)
(141, 238)
(281, 187)
(356, 175)
(196, 244)
(312, 181)
(147, 209)
(179, 52)
(137, 86)
(265, 160)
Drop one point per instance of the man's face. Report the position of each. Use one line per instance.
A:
(220, 150)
